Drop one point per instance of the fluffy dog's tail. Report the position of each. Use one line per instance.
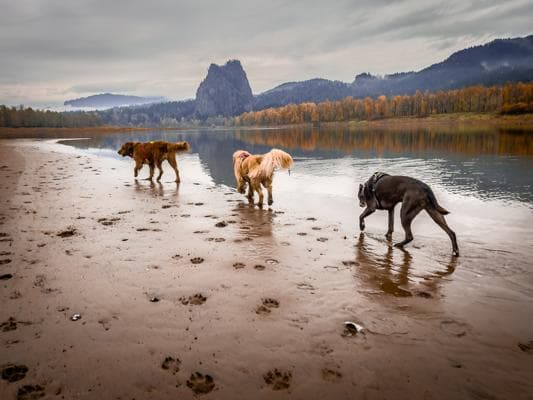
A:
(275, 158)
(178, 146)
(238, 157)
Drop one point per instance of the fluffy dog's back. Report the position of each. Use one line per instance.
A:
(275, 158)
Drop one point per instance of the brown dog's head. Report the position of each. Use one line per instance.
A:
(126, 149)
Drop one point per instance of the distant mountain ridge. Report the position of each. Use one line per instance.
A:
(497, 62)
(108, 100)
(226, 92)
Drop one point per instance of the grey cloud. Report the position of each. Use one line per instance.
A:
(70, 45)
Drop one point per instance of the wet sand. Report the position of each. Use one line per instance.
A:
(188, 291)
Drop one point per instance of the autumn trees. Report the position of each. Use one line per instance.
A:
(510, 98)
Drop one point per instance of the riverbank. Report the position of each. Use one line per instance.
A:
(118, 288)
(524, 121)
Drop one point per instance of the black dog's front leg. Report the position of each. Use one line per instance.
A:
(388, 235)
(362, 217)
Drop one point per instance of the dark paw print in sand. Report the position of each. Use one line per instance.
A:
(331, 375)
(197, 260)
(9, 325)
(70, 231)
(30, 392)
(200, 383)
(278, 379)
(266, 305)
(196, 300)
(171, 364)
(13, 373)
(526, 347)
(108, 221)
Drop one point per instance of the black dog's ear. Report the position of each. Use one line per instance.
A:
(360, 188)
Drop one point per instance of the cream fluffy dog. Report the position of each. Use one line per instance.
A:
(258, 169)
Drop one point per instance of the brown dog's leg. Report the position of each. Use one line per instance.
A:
(440, 221)
(388, 235)
(408, 213)
(160, 168)
(362, 217)
(174, 165)
(152, 168)
(138, 166)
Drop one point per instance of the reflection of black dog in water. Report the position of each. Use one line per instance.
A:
(383, 192)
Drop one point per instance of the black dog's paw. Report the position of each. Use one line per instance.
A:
(361, 226)
(399, 245)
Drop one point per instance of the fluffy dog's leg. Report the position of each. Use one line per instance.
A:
(269, 189)
(259, 190)
(250, 191)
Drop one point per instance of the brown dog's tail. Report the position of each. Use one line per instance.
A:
(435, 204)
(178, 146)
(275, 158)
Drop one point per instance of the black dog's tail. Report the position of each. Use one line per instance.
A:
(434, 202)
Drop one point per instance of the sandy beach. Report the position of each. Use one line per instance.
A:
(113, 288)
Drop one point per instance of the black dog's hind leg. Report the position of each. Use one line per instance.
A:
(362, 217)
(388, 235)
(408, 213)
(440, 221)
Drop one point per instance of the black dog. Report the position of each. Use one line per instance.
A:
(383, 192)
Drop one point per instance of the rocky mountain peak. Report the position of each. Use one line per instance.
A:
(224, 91)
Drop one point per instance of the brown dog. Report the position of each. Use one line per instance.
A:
(256, 170)
(153, 154)
(383, 192)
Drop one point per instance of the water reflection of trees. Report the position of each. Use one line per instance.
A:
(465, 140)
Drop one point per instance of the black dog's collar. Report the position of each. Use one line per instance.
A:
(373, 181)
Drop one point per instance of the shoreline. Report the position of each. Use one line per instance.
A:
(524, 121)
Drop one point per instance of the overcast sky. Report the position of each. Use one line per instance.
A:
(52, 50)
